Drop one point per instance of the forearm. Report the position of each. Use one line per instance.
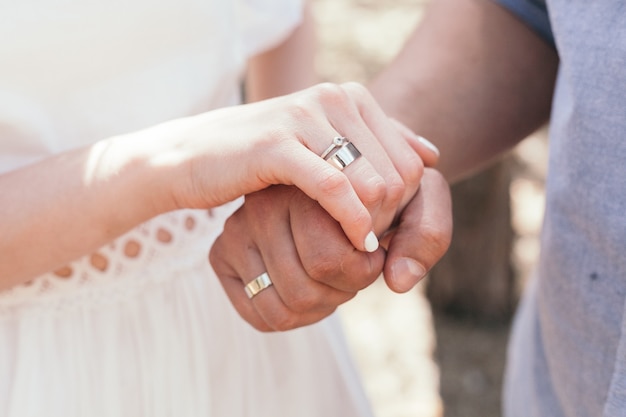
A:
(69, 205)
(472, 79)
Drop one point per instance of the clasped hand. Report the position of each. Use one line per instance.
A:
(313, 264)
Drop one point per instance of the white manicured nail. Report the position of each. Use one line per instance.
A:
(371, 242)
(428, 144)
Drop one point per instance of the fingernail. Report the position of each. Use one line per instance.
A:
(428, 144)
(371, 242)
(406, 273)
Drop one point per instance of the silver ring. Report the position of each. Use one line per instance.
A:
(257, 285)
(344, 156)
(338, 142)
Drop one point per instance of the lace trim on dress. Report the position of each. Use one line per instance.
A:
(145, 256)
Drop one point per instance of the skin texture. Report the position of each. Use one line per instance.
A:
(313, 266)
(70, 201)
(475, 81)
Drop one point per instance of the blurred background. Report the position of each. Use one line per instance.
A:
(440, 349)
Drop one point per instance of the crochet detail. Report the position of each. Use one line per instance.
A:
(136, 260)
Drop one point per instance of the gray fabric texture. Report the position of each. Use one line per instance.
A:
(567, 356)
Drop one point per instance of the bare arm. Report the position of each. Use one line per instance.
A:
(286, 68)
(473, 79)
(68, 205)
(71, 204)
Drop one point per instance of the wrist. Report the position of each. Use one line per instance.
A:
(150, 164)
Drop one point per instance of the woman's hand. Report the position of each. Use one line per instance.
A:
(79, 200)
(221, 155)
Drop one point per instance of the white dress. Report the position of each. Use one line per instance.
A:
(142, 327)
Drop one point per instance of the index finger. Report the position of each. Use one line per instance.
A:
(334, 192)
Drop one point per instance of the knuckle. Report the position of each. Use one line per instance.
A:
(334, 97)
(414, 171)
(324, 270)
(362, 272)
(284, 322)
(356, 88)
(356, 282)
(375, 191)
(302, 302)
(395, 189)
(348, 272)
(333, 183)
(359, 93)
(437, 239)
(325, 264)
(300, 111)
(220, 257)
(230, 225)
(437, 179)
(261, 326)
(257, 206)
(238, 221)
(328, 90)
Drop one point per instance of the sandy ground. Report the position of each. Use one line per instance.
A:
(414, 363)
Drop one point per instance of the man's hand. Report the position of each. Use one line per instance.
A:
(313, 266)
(422, 235)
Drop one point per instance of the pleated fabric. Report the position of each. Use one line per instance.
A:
(155, 335)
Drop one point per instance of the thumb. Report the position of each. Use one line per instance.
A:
(423, 234)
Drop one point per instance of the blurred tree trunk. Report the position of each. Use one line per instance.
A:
(476, 277)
